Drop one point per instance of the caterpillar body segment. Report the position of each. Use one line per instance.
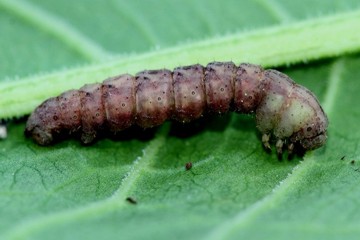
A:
(284, 110)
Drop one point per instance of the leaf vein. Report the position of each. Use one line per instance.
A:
(244, 218)
(334, 85)
(249, 47)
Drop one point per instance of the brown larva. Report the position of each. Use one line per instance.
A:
(284, 110)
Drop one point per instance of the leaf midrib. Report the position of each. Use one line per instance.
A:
(253, 46)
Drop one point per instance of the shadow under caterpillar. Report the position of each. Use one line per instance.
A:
(284, 110)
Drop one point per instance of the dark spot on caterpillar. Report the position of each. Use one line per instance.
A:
(188, 166)
(285, 112)
(352, 162)
(131, 200)
(342, 158)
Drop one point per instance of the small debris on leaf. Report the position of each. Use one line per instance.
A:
(188, 166)
(131, 200)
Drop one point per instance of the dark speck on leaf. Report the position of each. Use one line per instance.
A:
(131, 200)
(188, 166)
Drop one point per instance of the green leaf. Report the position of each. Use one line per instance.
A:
(235, 190)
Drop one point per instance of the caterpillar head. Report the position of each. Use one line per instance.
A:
(313, 132)
(291, 114)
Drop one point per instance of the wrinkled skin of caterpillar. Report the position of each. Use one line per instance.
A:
(284, 110)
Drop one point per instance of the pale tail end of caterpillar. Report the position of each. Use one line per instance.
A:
(284, 110)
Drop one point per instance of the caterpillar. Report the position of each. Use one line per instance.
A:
(284, 111)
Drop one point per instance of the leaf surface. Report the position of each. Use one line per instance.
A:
(235, 190)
